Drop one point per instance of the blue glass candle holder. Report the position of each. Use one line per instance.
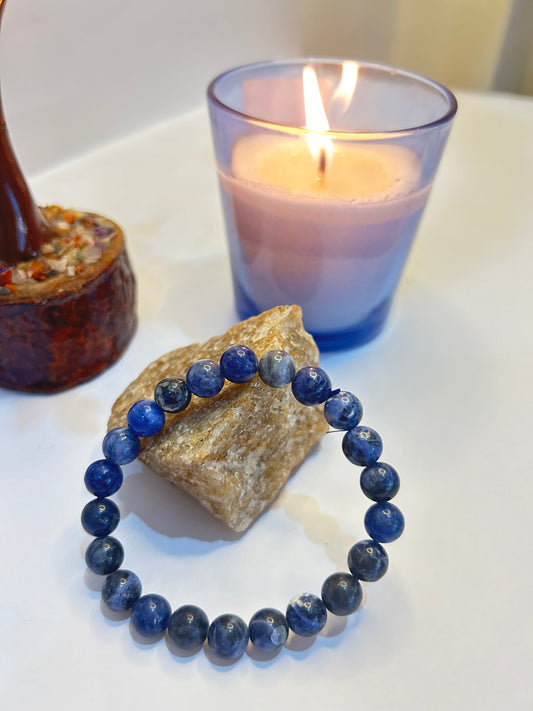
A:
(325, 167)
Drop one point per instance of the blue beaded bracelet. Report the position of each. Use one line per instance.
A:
(306, 614)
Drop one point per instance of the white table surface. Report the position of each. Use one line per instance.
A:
(448, 385)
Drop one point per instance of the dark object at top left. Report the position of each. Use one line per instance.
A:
(67, 291)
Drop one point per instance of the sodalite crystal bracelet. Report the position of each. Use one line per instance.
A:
(268, 629)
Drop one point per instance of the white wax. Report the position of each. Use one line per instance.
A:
(369, 172)
(336, 242)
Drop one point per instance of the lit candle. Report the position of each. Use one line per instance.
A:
(321, 218)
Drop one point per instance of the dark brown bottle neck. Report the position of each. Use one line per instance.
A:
(22, 227)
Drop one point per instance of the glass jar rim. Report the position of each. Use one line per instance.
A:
(368, 135)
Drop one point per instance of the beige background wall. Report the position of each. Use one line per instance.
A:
(469, 44)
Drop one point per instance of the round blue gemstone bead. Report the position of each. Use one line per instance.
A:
(100, 517)
(172, 394)
(103, 478)
(145, 418)
(228, 636)
(268, 629)
(362, 446)
(150, 615)
(121, 590)
(188, 627)
(204, 378)
(276, 368)
(104, 555)
(380, 482)
(384, 522)
(121, 446)
(238, 364)
(306, 614)
(342, 593)
(343, 410)
(368, 561)
(311, 385)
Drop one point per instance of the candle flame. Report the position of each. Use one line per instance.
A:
(346, 88)
(316, 120)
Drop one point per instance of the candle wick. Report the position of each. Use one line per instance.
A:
(322, 159)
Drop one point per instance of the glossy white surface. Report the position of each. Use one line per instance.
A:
(448, 385)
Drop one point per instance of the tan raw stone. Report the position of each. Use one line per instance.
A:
(235, 451)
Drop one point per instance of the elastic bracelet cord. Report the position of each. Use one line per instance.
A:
(228, 634)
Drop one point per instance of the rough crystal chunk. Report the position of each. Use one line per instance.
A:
(235, 451)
